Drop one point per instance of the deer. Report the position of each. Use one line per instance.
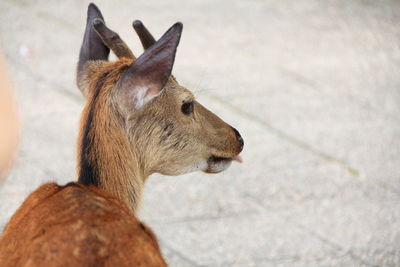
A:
(137, 120)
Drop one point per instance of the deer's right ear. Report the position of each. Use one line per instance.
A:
(147, 76)
(93, 51)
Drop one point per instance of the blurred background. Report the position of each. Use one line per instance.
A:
(313, 87)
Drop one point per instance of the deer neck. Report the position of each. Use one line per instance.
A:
(105, 155)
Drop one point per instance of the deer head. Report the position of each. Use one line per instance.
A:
(138, 119)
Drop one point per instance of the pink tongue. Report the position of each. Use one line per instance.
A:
(238, 158)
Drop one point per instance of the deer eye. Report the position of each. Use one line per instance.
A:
(187, 108)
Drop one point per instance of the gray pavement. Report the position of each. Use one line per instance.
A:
(314, 88)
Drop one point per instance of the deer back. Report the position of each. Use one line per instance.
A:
(76, 225)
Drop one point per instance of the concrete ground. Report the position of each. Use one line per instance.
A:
(314, 88)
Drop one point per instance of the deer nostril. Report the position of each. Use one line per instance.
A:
(239, 138)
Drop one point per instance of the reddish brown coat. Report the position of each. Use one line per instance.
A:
(76, 225)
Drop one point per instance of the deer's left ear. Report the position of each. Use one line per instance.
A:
(147, 76)
(93, 51)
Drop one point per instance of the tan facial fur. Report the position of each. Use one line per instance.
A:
(139, 120)
(171, 142)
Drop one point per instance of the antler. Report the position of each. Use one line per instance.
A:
(145, 36)
(112, 40)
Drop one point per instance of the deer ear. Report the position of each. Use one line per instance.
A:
(147, 76)
(92, 47)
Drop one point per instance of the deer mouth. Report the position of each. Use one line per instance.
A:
(218, 164)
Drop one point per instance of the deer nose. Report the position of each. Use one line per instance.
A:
(238, 138)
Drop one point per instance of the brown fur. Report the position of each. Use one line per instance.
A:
(76, 225)
(92, 223)
(108, 150)
(156, 138)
